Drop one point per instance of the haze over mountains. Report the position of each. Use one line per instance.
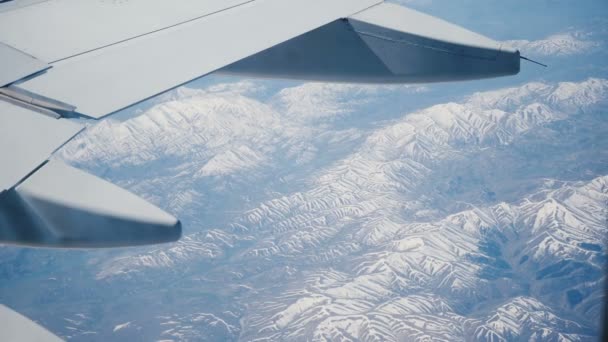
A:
(473, 211)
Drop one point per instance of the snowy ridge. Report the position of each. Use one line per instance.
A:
(203, 246)
(421, 284)
(196, 327)
(214, 120)
(328, 102)
(384, 174)
(525, 318)
(562, 44)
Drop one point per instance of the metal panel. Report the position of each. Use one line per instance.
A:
(57, 29)
(16, 327)
(60, 206)
(106, 81)
(15, 65)
(27, 139)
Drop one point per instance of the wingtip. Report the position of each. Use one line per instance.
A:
(177, 232)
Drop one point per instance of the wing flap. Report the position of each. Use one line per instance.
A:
(105, 81)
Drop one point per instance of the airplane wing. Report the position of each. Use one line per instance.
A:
(67, 59)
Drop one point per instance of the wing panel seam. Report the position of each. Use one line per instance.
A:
(424, 46)
(152, 32)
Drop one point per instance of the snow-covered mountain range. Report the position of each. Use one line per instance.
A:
(309, 217)
(481, 274)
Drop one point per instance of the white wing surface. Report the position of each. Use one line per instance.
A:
(16, 327)
(17, 65)
(66, 59)
(27, 138)
(150, 58)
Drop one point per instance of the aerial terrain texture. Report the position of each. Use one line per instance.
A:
(473, 211)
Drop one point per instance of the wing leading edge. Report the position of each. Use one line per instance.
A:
(69, 63)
